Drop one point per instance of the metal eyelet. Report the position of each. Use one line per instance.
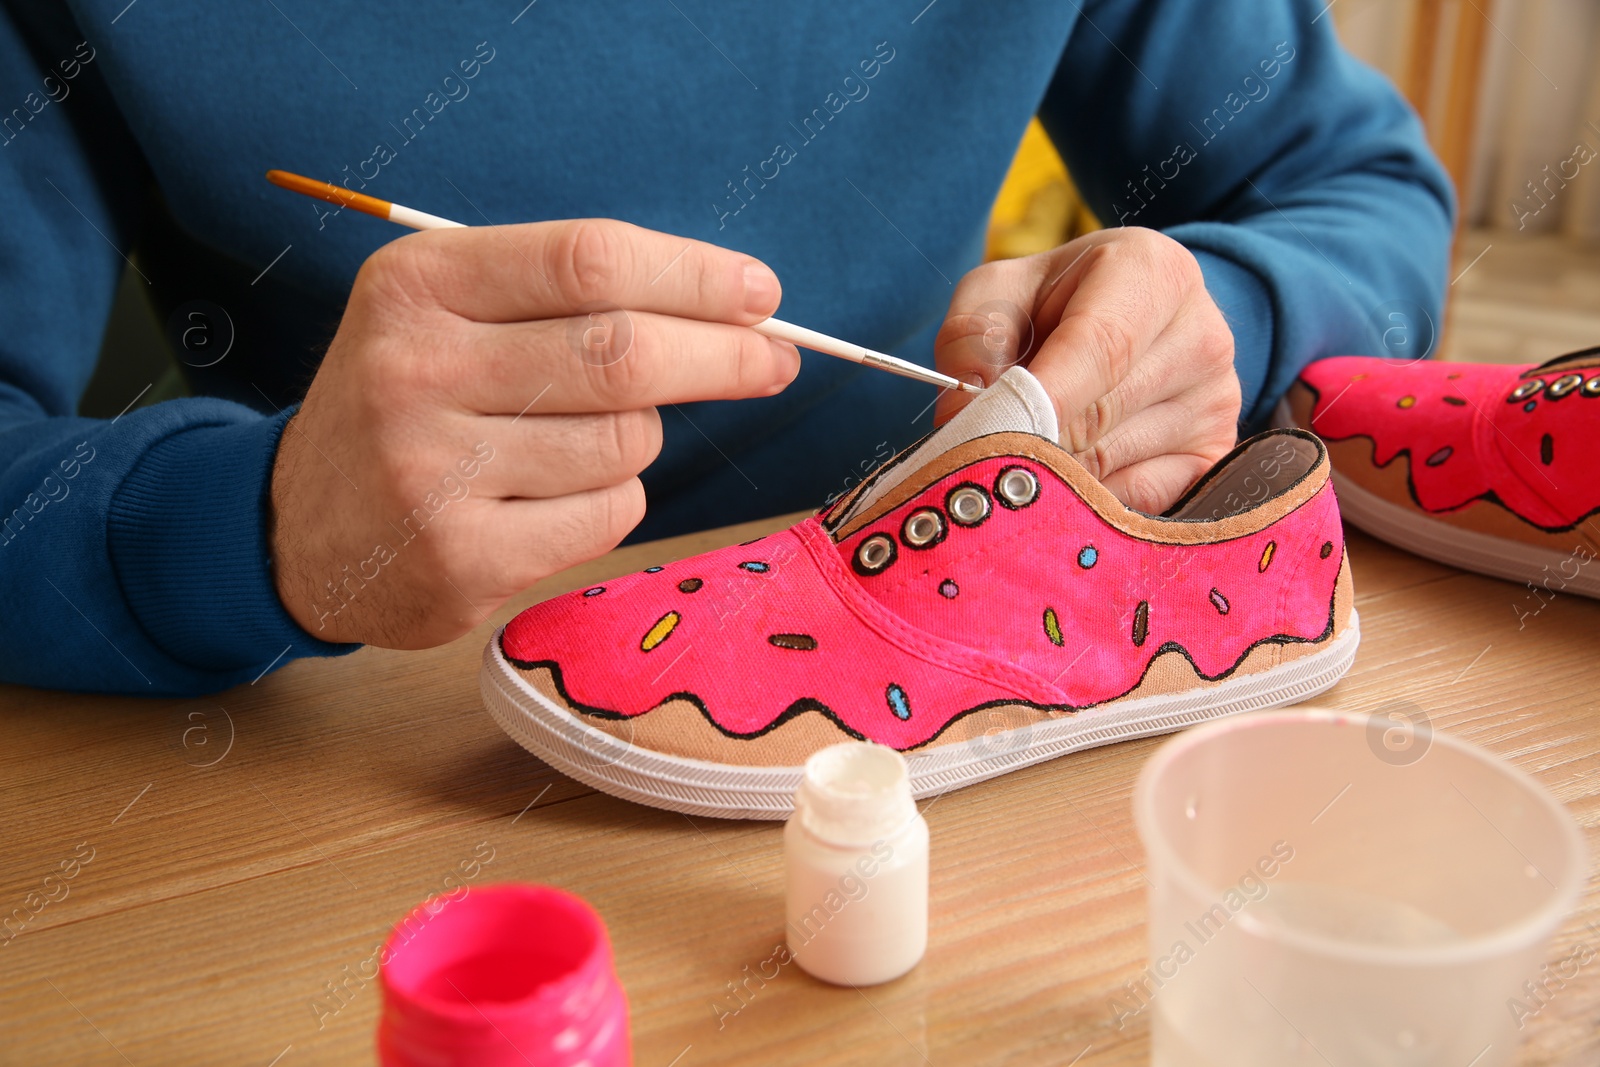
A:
(1525, 390)
(968, 505)
(1016, 487)
(1592, 386)
(874, 554)
(923, 529)
(1563, 385)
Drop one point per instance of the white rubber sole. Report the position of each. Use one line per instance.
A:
(1435, 539)
(730, 791)
(1557, 572)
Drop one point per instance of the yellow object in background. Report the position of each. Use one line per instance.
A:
(1038, 207)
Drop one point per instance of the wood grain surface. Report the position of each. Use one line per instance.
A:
(249, 851)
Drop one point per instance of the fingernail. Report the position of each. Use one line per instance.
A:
(787, 355)
(761, 289)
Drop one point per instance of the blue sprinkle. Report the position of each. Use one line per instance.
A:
(755, 568)
(1530, 405)
(596, 591)
(898, 702)
(1088, 556)
(651, 570)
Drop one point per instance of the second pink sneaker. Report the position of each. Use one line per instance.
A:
(1487, 467)
(980, 604)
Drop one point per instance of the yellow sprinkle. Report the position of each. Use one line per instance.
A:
(1052, 626)
(1407, 401)
(658, 633)
(1266, 557)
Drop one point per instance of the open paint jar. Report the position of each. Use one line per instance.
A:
(502, 976)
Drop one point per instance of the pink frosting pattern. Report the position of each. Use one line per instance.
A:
(1046, 604)
(1518, 435)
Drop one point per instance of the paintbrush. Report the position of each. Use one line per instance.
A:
(776, 328)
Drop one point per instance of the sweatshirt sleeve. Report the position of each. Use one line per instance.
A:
(1298, 177)
(134, 555)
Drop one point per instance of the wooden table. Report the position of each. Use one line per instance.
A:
(232, 886)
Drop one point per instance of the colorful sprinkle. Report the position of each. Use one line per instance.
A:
(1547, 450)
(652, 570)
(898, 702)
(1327, 550)
(948, 589)
(596, 591)
(1406, 402)
(660, 631)
(1052, 627)
(1530, 405)
(1440, 456)
(754, 567)
(1454, 401)
(1141, 623)
(1088, 556)
(1266, 556)
(690, 585)
(1219, 602)
(1358, 377)
(798, 642)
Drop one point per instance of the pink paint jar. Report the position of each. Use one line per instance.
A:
(502, 976)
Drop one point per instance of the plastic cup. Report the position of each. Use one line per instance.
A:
(1338, 889)
(502, 976)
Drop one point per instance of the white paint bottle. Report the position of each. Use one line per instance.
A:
(856, 859)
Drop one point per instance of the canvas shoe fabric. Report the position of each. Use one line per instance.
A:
(980, 604)
(1487, 467)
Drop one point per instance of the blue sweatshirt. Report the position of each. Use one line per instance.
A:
(856, 147)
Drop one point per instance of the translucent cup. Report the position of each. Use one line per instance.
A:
(1344, 889)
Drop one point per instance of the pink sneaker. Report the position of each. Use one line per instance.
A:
(1482, 466)
(980, 604)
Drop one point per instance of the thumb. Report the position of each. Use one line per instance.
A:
(989, 327)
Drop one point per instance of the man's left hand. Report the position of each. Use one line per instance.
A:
(1118, 327)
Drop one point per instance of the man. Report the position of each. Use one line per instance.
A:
(491, 397)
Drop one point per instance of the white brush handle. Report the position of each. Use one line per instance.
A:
(832, 346)
(421, 220)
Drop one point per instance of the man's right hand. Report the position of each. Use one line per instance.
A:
(484, 410)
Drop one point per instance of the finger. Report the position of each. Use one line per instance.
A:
(616, 362)
(544, 456)
(542, 270)
(1116, 302)
(989, 327)
(525, 541)
(1195, 425)
(1192, 361)
(1153, 485)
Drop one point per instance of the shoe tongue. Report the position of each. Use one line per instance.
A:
(1016, 403)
